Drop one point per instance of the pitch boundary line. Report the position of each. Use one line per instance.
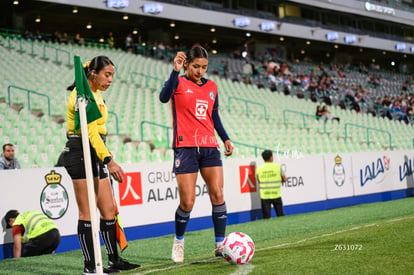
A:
(334, 233)
(215, 259)
(209, 260)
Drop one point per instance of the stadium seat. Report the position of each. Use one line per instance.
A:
(169, 155)
(133, 105)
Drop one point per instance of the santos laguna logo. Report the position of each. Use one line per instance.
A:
(54, 198)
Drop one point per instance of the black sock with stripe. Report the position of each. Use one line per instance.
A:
(86, 243)
(108, 233)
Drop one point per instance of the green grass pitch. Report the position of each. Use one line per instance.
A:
(374, 238)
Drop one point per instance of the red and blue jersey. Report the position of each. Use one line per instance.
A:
(194, 110)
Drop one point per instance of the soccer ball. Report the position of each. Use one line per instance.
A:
(238, 248)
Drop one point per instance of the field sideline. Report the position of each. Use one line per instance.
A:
(364, 239)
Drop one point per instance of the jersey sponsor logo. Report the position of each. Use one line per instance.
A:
(201, 109)
(130, 190)
(54, 199)
(248, 182)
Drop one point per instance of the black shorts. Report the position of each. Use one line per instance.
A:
(74, 163)
(44, 244)
(277, 205)
(191, 159)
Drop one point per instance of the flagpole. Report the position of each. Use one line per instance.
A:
(90, 185)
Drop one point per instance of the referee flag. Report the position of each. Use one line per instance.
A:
(84, 91)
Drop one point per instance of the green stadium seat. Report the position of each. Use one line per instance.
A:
(169, 155)
(157, 155)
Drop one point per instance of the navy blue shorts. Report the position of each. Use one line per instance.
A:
(191, 159)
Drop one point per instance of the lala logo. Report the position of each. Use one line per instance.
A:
(375, 171)
(406, 170)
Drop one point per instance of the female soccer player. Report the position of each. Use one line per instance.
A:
(194, 103)
(99, 72)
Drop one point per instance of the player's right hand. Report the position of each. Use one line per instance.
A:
(179, 61)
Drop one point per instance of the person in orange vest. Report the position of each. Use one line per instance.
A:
(270, 177)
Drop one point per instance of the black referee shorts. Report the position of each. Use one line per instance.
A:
(74, 162)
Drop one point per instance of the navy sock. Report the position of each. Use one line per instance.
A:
(108, 233)
(219, 221)
(181, 221)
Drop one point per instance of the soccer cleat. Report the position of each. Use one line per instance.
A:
(218, 251)
(177, 254)
(89, 271)
(121, 264)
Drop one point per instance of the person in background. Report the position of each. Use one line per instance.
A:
(194, 102)
(111, 40)
(325, 114)
(99, 72)
(7, 159)
(64, 39)
(38, 232)
(129, 43)
(78, 40)
(270, 177)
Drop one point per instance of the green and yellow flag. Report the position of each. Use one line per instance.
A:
(84, 92)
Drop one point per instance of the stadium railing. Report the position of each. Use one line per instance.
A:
(28, 93)
(246, 104)
(368, 130)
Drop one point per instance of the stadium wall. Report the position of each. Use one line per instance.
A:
(148, 196)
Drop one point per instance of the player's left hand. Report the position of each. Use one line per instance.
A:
(229, 148)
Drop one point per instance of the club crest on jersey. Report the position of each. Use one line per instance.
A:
(201, 109)
(211, 95)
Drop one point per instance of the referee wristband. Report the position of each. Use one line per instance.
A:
(107, 160)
